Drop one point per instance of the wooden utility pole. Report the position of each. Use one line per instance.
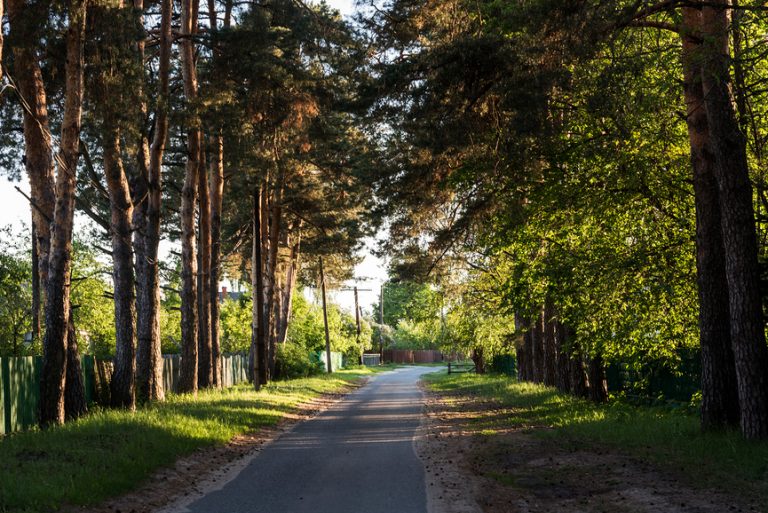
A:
(258, 347)
(381, 323)
(325, 320)
(357, 323)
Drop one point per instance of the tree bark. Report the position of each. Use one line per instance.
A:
(189, 313)
(523, 351)
(598, 385)
(478, 357)
(275, 213)
(564, 351)
(548, 340)
(123, 391)
(217, 195)
(738, 229)
(74, 394)
(149, 358)
(720, 401)
(205, 362)
(57, 308)
(290, 285)
(38, 148)
(36, 294)
(537, 350)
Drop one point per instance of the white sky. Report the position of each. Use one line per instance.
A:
(369, 274)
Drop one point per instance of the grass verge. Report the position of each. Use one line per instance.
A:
(110, 452)
(671, 439)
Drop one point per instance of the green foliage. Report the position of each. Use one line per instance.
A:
(15, 294)
(236, 316)
(294, 362)
(306, 329)
(94, 310)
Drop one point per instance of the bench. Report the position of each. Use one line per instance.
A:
(458, 368)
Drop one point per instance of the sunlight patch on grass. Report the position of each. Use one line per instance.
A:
(669, 438)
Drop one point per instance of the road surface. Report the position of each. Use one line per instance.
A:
(356, 457)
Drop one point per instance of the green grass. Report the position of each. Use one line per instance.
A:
(110, 452)
(671, 439)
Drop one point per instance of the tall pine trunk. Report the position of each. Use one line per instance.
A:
(217, 196)
(205, 362)
(720, 401)
(149, 358)
(123, 392)
(57, 307)
(738, 228)
(289, 285)
(189, 313)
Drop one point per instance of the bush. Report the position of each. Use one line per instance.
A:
(294, 362)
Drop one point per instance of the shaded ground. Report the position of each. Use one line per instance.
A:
(475, 464)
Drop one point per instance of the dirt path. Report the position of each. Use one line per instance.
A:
(511, 471)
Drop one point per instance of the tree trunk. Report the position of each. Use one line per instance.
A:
(289, 286)
(720, 401)
(523, 351)
(738, 229)
(217, 195)
(74, 394)
(537, 351)
(123, 390)
(205, 362)
(478, 358)
(189, 313)
(265, 216)
(35, 285)
(149, 358)
(275, 213)
(57, 308)
(564, 351)
(548, 339)
(598, 385)
(38, 151)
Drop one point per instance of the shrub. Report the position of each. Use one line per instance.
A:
(294, 362)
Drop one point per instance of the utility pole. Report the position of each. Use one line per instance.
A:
(325, 320)
(381, 323)
(357, 323)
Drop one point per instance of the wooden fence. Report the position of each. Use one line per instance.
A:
(412, 356)
(20, 384)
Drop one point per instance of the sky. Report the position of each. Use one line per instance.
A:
(369, 274)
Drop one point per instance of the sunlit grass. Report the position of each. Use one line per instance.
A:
(110, 452)
(669, 438)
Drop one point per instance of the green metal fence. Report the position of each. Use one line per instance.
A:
(20, 385)
(337, 359)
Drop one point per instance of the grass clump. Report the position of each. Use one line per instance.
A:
(671, 438)
(110, 452)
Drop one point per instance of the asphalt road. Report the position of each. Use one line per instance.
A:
(356, 457)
